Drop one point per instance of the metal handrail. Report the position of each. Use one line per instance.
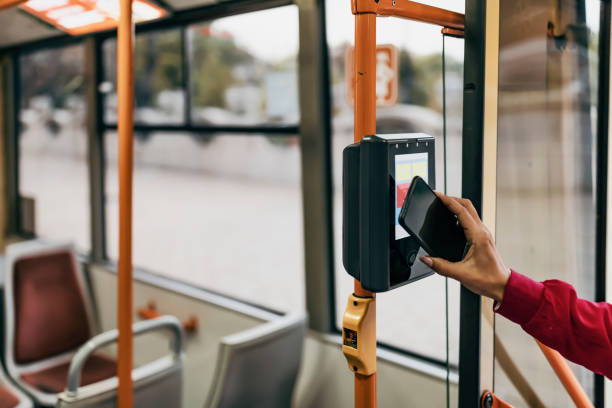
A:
(170, 323)
(559, 366)
(566, 376)
(515, 375)
(410, 10)
(561, 369)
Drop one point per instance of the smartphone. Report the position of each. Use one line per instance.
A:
(433, 225)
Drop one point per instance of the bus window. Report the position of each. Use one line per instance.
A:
(242, 75)
(158, 79)
(227, 207)
(53, 143)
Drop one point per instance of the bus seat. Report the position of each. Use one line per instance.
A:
(156, 384)
(259, 367)
(48, 317)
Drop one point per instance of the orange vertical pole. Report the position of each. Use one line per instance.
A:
(125, 126)
(365, 75)
(365, 124)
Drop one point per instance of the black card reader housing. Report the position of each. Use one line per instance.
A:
(373, 251)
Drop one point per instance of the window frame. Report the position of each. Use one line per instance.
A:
(602, 164)
(182, 20)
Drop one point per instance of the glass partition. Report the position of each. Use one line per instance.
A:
(548, 66)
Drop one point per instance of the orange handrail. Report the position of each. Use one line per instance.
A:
(125, 126)
(453, 32)
(515, 376)
(566, 376)
(410, 10)
(365, 124)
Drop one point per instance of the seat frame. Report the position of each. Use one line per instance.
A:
(14, 253)
(104, 393)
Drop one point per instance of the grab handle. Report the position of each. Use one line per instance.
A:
(169, 323)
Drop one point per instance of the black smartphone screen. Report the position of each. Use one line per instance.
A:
(426, 217)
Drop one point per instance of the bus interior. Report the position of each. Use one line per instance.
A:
(171, 197)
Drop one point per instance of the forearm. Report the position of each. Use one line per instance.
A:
(551, 312)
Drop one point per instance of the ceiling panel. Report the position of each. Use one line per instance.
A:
(78, 17)
(17, 27)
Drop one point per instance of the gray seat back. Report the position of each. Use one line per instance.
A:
(259, 367)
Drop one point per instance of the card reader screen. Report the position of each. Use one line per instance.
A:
(407, 166)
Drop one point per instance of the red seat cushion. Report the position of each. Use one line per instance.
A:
(7, 398)
(53, 379)
(50, 314)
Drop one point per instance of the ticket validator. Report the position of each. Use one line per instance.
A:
(376, 250)
(377, 172)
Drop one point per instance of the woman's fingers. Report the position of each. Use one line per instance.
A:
(482, 270)
(466, 219)
(470, 207)
(466, 203)
(443, 267)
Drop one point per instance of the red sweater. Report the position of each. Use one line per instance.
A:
(551, 312)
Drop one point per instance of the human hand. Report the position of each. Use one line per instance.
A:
(482, 270)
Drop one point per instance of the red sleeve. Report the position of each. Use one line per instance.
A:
(551, 312)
